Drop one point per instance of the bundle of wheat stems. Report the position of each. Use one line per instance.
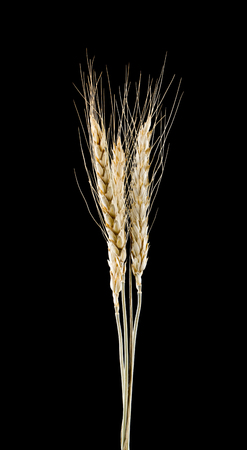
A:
(128, 164)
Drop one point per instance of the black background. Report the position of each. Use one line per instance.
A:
(173, 382)
(72, 348)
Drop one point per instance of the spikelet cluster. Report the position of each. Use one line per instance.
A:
(140, 202)
(111, 192)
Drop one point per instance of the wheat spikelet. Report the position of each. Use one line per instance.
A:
(140, 202)
(110, 186)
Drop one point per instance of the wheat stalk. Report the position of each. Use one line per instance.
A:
(124, 189)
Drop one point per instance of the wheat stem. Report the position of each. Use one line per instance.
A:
(126, 362)
(139, 304)
(129, 406)
(132, 363)
(130, 315)
(120, 343)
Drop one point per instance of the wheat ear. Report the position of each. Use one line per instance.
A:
(110, 186)
(117, 234)
(140, 203)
